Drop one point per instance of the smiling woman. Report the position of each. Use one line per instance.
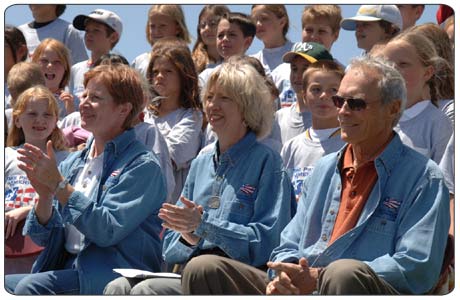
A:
(237, 196)
(101, 202)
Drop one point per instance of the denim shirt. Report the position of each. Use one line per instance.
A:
(401, 233)
(119, 220)
(247, 199)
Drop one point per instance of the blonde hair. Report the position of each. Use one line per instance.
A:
(332, 13)
(241, 83)
(442, 81)
(173, 11)
(16, 135)
(22, 76)
(200, 53)
(322, 65)
(61, 51)
(279, 11)
(124, 84)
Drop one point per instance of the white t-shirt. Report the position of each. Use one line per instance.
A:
(270, 58)
(18, 190)
(86, 182)
(60, 30)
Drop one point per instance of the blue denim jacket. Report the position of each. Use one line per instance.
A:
(401, 233)
(119, 221)
(255, 201)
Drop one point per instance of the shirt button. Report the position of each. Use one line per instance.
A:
(324, 237)
(338, 187)
(332, 212)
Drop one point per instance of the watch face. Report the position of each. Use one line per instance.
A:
(62, 184)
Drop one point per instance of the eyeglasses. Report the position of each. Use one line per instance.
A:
(211, 23)
(354, 104)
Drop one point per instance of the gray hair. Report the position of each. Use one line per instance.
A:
(391, 83)
(244, 85)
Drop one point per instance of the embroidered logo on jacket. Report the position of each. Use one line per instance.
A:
(115, 173)
(247, 189)
(391, 203)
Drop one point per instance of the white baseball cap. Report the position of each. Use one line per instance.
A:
(367, 13)
(107, 17)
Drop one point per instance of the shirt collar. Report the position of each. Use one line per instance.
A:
(237, 150)
(389, 157)
(117, 145)
(414, 110)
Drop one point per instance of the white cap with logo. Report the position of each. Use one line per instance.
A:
(107, 17)
(367, 13)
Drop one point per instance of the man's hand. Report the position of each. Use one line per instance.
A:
(293, 279)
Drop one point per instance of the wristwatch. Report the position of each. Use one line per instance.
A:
(61, 185)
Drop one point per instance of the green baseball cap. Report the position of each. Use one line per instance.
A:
(310, 51)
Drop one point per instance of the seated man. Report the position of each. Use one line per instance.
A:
(372, 218)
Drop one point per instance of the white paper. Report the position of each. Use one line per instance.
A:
(135, 273)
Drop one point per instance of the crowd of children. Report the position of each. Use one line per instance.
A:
(45, 82)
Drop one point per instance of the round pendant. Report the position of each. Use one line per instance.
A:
(214, 202)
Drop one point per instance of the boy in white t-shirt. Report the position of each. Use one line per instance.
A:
(47, 24)
(102, 32)
(295, 118)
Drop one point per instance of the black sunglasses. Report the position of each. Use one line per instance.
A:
(354, 104)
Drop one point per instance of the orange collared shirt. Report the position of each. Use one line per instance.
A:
(356, 187)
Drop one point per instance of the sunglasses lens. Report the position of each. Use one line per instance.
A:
(353, 104)
(356, 104)
(338, 101)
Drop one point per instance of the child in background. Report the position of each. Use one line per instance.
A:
(22, 76)
(423, 126)
(102, 32)
(320, 83)
(410, 13)
(235, 33)
(54, 60)
(449, 27)
(320, 24)
(295, 119)
(272, 25)
(178, 116)
(204, 53)
(374, 24)
(15, 51)
(47, 24)
(441, 42)
(163, 21)
(35, 116)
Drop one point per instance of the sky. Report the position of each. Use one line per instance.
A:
(134, 17)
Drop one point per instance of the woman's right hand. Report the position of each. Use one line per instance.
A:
(12, 219)
(184, 219)
(41, 168)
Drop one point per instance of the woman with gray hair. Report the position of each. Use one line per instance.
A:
(237, 197)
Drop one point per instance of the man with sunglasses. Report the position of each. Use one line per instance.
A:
(373, 218)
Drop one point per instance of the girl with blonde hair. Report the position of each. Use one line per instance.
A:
(164, 20)
(423, 126)
(35, 116)
(54, 60)
(272, 23)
